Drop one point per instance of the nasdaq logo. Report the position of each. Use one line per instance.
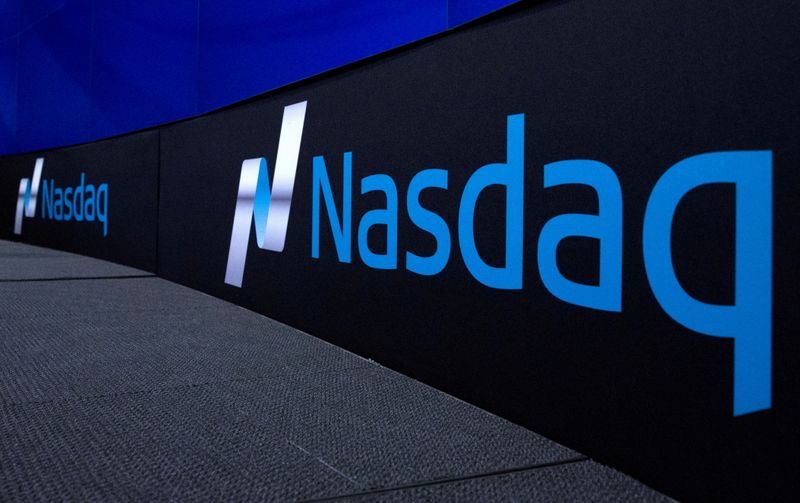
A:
(26, 201)
(255, 202)
(747, 321)
(80, 203)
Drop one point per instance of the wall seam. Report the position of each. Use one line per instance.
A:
(158, 205)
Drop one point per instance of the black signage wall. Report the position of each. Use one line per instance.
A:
(98, 199)
(638, 86)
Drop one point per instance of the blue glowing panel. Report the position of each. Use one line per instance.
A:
(461, 11)
(90, 69)
(145, 65)
(8, 95)
(9, 27)
(53, 97)
(9, 19)
(33, 12)
(261, 45)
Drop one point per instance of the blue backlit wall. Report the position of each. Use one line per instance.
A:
(78, 70)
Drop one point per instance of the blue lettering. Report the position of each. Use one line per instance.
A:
(511, 175)
(606, 226)
(748, 320)
(58, 206)
(79, 201)
(387, 217)
(89, 215)
(320, 182)
(428, 221)
(67, 204)
(47, 199)
(102, 206)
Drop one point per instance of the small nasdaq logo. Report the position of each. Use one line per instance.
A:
(81, 203)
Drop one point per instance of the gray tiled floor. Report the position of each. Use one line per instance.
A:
(136, 388)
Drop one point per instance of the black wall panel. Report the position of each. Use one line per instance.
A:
(638, 86)
(128, 166)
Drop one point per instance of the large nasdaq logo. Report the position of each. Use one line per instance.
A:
(83, 202)
(747, 322)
